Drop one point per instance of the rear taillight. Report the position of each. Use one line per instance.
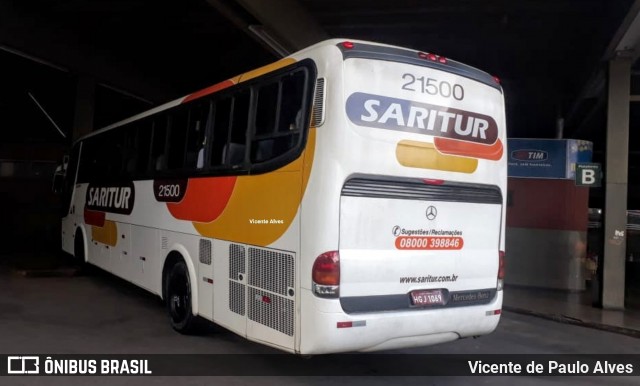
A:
(500, 270)
(326, 275)
(432, 57)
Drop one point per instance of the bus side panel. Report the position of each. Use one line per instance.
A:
(205, 283)
(145, 262)
(256, 285)
(98, 252)
(120, 254)
(70, 223)
(230, 278)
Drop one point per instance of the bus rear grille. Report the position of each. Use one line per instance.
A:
(318, 104)
(237, 290)
(270, 281)
(205, 251)
(269, 278)
(277, 312)
(416, 189)
(236, 261)
(270, 270)
(236, 297)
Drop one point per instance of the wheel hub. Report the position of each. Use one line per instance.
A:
(176, 301)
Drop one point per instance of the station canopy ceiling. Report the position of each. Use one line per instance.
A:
(543, 51)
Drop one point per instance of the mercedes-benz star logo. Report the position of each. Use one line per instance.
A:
(432, 212)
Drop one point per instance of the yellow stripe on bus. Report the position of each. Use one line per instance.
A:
(265, 69)
(415, 154)
(107, 234)
(273, 197)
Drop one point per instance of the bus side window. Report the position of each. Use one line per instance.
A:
(143, 146)
(221, 121)
(87, 160)
(284, 131)
(70, 179)
(267, 109)
(137, 143)
(266, 122)
(130, 151)
(196, 135)
(234, 152)
(291, 118)
(177, 139)
(158, 147)
(109, 156)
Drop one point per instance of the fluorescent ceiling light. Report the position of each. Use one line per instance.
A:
(261, 33)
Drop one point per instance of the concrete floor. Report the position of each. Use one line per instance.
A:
(102, 314)
(575, 307)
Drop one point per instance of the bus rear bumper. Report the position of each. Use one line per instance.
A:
(328, 329)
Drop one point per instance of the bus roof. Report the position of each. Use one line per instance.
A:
(367, 50)
(350, 49)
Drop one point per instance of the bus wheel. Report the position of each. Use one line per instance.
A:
(178, 298)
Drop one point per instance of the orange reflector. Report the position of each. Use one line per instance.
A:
(501, 263)
(431, 181)
(355, 323)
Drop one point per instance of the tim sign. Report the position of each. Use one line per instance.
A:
(547, 158)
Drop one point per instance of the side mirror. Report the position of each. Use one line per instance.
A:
(58, 180)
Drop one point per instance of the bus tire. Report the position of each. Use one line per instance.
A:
(178, 298)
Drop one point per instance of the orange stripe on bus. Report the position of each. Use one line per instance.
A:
(209, 90)
(274, 197)
(470, 149)
(241, 78)
(204, 200)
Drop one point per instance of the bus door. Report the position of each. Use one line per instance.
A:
(68, 214)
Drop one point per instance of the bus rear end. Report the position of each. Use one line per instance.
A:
(419, 183)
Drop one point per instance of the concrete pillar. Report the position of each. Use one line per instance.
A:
(85, 106)
(615, 220)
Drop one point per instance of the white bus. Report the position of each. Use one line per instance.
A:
(349, 197)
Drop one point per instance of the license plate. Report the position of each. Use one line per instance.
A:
(426, 297)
